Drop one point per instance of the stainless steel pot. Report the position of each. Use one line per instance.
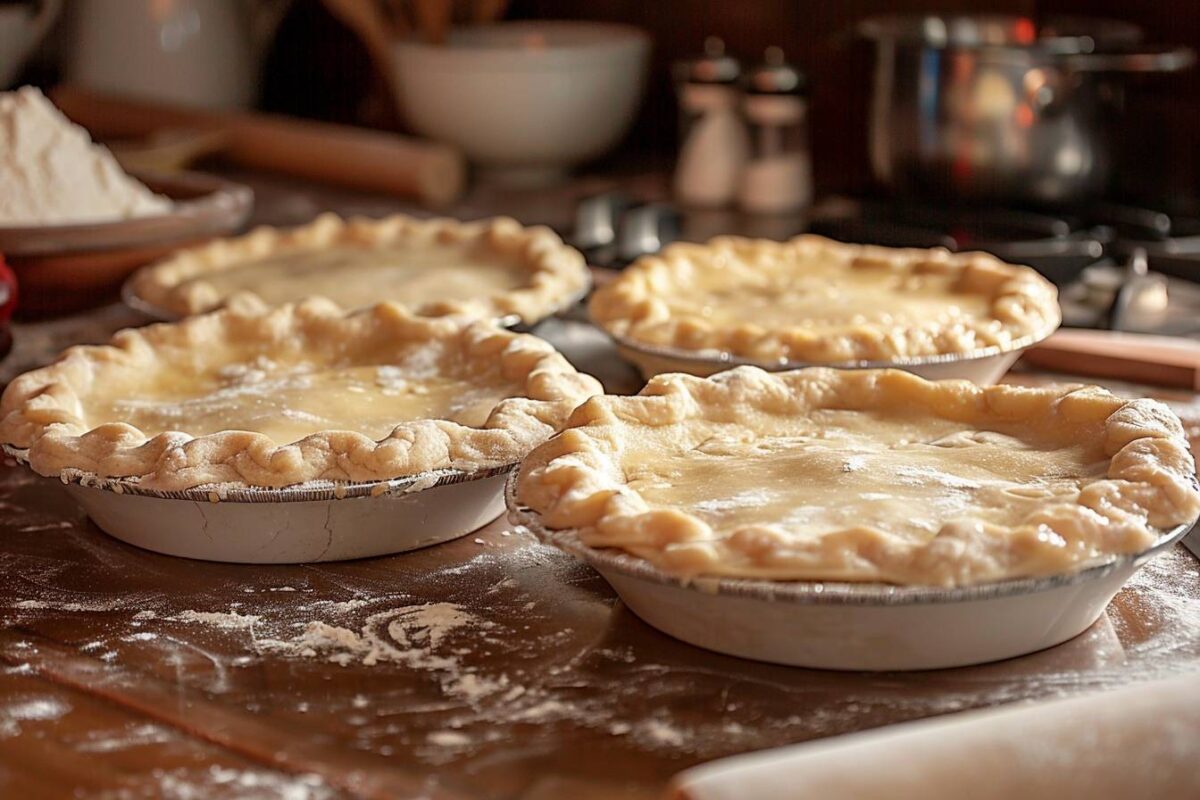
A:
(994, 108)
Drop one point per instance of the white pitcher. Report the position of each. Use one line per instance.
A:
(201, 53)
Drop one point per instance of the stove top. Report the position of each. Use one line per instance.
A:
(1089, 252)
(1118, 267)
(1060, 245)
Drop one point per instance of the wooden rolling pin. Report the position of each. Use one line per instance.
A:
(358, 158)
(1141, 742)
(1134, 357)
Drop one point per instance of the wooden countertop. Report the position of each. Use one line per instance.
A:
(488, 667)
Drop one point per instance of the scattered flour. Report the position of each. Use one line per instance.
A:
(136, 735)
(220, 783)
(336, 606)
(545, 711)
(12, 714)
(472, 687)
(412, 636)
(449, 739)
(660, 732)
(50, 605)
(475, 672)
(429, 624)
(230, 620)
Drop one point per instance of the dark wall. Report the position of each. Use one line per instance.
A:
(1160, 151)
(1165, 112)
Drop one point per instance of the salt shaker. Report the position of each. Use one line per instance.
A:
(777, 179)
(714, 142)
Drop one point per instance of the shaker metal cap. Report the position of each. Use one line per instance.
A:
(775, 76)
(715, 66)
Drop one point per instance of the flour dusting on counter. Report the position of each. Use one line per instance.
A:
(464, 656)
(129, 737)
(230, 620)
(224, 783)
(413, 632)
(18, 710)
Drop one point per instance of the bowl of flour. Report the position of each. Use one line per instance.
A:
(73, 223)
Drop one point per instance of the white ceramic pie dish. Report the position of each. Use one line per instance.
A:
(319, 521)
(983, 367)
(856, 626)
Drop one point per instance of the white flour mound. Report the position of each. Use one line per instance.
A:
(52, 173)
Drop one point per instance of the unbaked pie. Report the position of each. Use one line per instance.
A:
(294, 394)
(815, 300)
(495, 268)
(863, 475)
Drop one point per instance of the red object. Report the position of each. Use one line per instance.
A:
(8, 291)
(1025, 31)
(8, 303)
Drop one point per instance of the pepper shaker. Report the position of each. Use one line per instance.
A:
(714, 143)
(777, 178)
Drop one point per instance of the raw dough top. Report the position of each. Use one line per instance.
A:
(864, 475)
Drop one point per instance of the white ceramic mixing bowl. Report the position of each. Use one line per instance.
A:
(525, 101)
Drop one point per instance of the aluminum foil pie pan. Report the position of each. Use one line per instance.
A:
(857, 626)
(316, 521)
(983, 367)
(133, 300)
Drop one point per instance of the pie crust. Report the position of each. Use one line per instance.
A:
(494, 268)
(863, 475)
(814, 300)
(298, 393)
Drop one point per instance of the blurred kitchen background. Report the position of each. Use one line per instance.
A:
(317, 67)
(820, 38)
(1080, 161)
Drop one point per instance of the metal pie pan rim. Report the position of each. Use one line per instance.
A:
(512, 321)
(309, 491)
(823, 592)
(721, 359)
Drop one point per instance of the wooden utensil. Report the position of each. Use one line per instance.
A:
(362, 159)
(486, 11)
(1136, 742)
(167, 150)
(433, 19)
(401, 22)
(1139, 358)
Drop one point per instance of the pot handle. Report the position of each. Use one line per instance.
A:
(1169, 59)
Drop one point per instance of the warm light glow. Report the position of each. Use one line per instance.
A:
(534, 41)
(161, 10)
(1024, 31)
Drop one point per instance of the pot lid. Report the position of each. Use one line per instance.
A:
(1064, 35)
